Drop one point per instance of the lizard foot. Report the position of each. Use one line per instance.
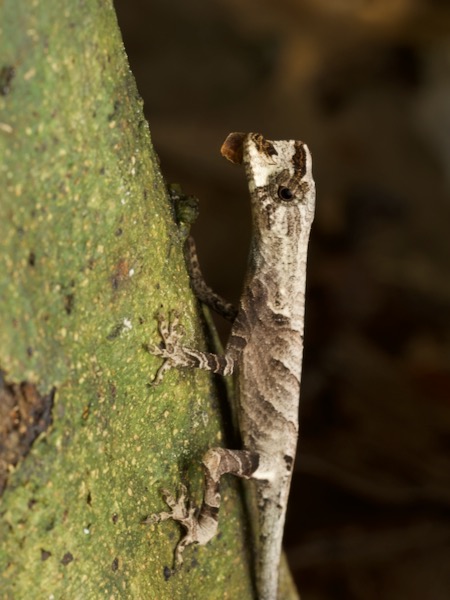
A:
(182, 511)
(170, 350)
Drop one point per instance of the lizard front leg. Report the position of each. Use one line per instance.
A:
(176, 355)
(201, 289)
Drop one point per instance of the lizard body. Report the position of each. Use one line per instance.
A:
(264, 351)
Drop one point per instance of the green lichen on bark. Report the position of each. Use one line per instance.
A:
(89, 254)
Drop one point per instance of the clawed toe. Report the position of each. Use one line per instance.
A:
(170, 349)
(182, 512)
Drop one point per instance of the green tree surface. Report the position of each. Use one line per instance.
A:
(89, 254)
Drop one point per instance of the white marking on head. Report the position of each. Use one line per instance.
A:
(263, 166)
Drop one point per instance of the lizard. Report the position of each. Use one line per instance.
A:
(264, 352)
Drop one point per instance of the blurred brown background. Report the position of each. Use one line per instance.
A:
(366, 83)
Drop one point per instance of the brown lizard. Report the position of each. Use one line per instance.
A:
(264, 351)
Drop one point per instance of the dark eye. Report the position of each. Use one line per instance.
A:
(284, 193)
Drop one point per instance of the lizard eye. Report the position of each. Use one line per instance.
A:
(284, 193)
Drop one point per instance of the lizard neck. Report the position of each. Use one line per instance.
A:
(278, 265)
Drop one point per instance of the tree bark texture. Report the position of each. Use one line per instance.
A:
(90, 254)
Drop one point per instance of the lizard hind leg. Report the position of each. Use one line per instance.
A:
(184, 513)
(201, 525)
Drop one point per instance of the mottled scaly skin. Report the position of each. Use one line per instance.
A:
(268, 333)
(264, 351)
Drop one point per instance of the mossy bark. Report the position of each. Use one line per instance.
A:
(89, 255)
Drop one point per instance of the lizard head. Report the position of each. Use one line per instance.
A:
(280, 180)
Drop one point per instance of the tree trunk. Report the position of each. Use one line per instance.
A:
(89, 254)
